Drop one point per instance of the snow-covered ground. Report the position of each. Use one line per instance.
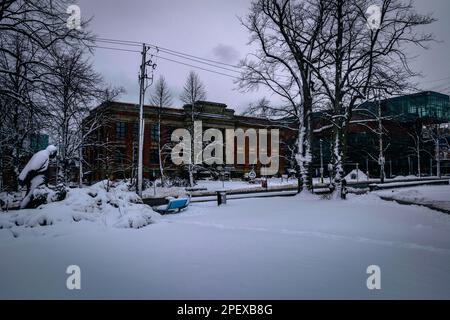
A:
(253, 248)
(435, 196)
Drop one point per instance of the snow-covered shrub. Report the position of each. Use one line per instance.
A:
(10, 200)
(43, 195)
(135, 219)
(105, 203)
(176, 182)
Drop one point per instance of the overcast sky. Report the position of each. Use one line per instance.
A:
(210, 29)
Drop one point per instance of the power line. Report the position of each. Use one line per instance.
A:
(198, 61)
(171, 60)
(190, 65)
(127, 42)
(186, 56)
(118, 49)
(214, 63)
(110, 41)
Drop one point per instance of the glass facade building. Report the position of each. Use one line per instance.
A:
(427, 105)
(402, 118)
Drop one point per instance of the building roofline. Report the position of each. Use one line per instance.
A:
(181, 110)
(420, 93)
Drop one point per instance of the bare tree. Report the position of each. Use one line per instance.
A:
(87, 123)
(22, 111)
(437, 134)
(287, 37)
(71, 88)
(29, 32)
(417, 147)
(193, 91)
(41, 23)
(364, 61)
(161, 97)
(260, 109)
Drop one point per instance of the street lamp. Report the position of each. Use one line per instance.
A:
(409, 165)
(321, 162)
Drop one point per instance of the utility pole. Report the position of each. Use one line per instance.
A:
(142, 88)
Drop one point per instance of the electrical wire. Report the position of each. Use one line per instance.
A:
(117, 49)
(213, 63)
(128, 42)
(182, 55)
(171, 60)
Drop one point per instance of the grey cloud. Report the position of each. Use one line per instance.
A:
(226, 53)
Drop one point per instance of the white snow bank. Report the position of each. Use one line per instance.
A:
(437, 197)
(116, 207)
(356, 175)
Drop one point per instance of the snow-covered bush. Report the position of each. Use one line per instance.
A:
(105, 203)
(10, 200)
(176, 182)
(44, 195)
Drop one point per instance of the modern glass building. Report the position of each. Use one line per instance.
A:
(427, 105)
(404, 120)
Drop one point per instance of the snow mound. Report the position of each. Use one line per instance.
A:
(103, 203)
(135, 220)
(355, 175)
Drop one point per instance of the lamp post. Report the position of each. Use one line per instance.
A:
(390, 169)
(431, 167)
(321, 162)
(409, 165)
(357, 172)
(367, 167)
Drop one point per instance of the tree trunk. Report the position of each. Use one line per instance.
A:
(161, 169)
(80, 172)
(303, 158)
(418, 163)
(338, 157)
(438, 159)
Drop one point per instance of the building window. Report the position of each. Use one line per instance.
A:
(120, 130)
(154, 132)
(154, 156)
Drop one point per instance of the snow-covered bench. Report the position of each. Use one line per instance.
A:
(172, 206)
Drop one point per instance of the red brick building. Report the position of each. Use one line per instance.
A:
(113, 147)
